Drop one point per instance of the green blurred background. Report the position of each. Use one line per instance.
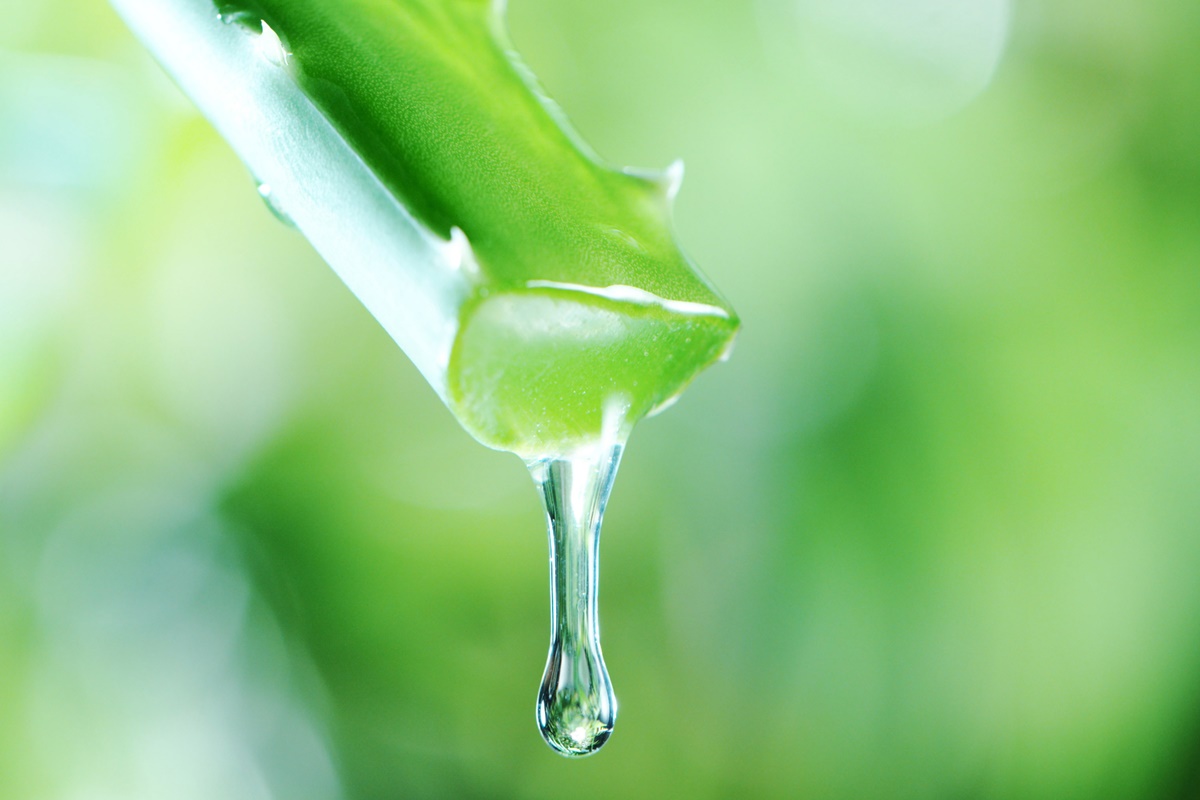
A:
(933, 532)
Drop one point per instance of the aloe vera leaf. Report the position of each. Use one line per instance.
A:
(539, 291)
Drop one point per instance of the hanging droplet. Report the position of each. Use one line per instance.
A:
(576, 708)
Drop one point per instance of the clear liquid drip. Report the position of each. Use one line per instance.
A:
(576, 707)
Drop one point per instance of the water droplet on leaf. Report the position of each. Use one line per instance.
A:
(273, 205)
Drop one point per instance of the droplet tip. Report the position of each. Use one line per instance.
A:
(578, 743)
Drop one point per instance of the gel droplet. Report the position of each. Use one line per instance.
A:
(576, 707)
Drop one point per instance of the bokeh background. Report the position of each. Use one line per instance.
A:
(933, 532)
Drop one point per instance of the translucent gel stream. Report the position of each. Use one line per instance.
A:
(576, 707)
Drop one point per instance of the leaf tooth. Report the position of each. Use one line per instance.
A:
(662, 184)
(671, 180)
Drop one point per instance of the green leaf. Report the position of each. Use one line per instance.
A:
(540, 291)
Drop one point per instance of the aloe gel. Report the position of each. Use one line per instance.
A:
(539, 291)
